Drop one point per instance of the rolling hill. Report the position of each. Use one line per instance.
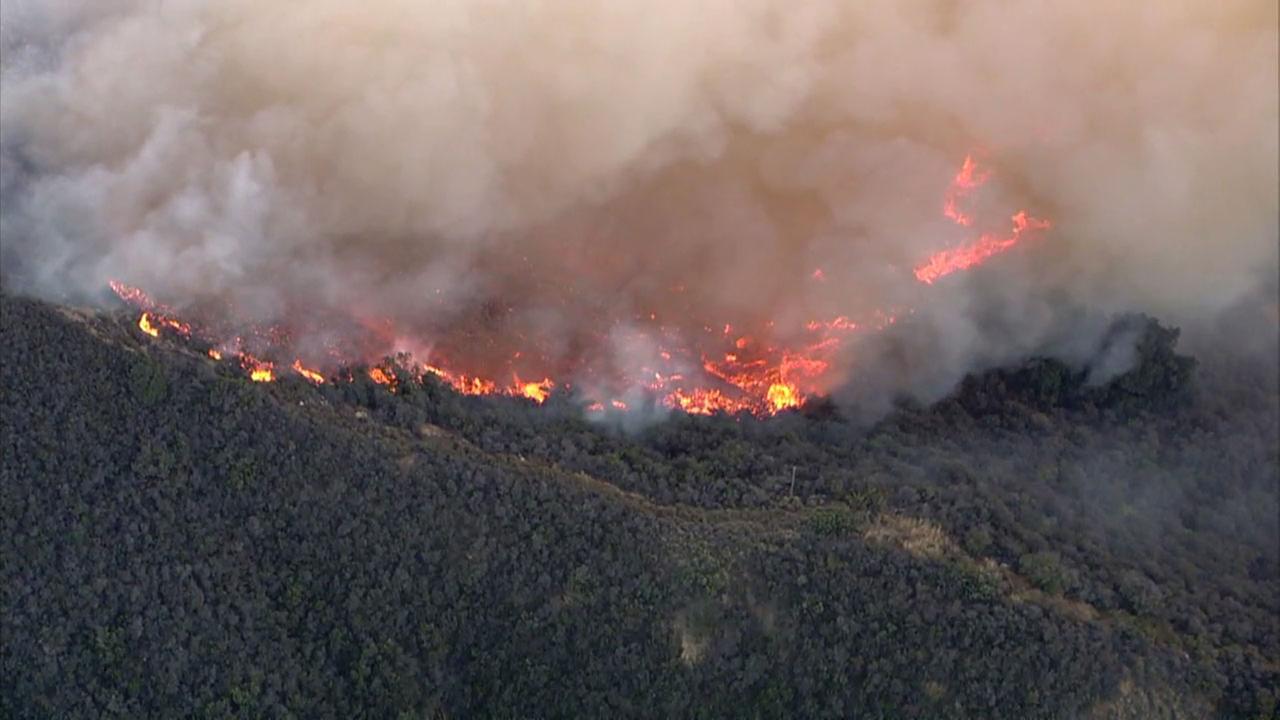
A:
(180, 542)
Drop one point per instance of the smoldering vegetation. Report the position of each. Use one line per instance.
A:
(1038, 544)
(1025, 499)
(577, 163)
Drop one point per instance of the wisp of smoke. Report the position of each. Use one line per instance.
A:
(558, 169)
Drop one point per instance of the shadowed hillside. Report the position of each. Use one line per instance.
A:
(178, 541)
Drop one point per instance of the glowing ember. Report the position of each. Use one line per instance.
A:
(702, 402)
(599, 407)
(840, 323)
(130, 294)
(752, 377)
(727, 369)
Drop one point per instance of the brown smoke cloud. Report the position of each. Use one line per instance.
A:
(577, 164)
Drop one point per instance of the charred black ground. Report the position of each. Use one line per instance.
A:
(178, 541)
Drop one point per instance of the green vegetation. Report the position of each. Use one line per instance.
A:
(178, 542)
(832, 521)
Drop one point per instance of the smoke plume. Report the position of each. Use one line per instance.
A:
(564, 170)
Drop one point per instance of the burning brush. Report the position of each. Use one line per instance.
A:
(746, 374)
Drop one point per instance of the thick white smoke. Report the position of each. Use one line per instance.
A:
(577, 163)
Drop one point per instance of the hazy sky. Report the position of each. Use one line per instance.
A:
(577, 160)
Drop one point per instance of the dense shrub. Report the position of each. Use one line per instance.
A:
(177, 541)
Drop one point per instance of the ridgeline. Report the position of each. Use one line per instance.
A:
(180, 542)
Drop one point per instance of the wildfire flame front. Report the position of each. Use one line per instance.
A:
(749, 375)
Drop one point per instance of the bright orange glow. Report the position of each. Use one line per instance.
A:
(259, 370)
(464, 384)
(475, 386)
(144, 324)
(536, 391)
(944, 263)
(598, 407)
(965, 182)
(701, 401)
(151, 323)
(132, 295)
(754, 366)
(782, 396)
(988, 244)
(754, 377)
(840, 323)
(307, 373)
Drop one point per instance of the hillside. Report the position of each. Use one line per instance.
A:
(179, 541)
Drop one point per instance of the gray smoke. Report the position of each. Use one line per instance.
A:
(579, 164)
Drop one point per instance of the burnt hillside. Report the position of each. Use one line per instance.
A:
(178, 541)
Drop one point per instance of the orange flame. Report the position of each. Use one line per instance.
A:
(536, 391)
(464, 384)
(746, 371)
(702, 401)
(259, 371)
(307, 373)
(130, 294)
(151, 324)
(842, 323)
(944, 263)
(962, 186)
(144, 324)
(782, 396)
(598, 407)
(181, 327)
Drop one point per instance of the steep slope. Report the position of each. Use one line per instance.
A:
(179, 541)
